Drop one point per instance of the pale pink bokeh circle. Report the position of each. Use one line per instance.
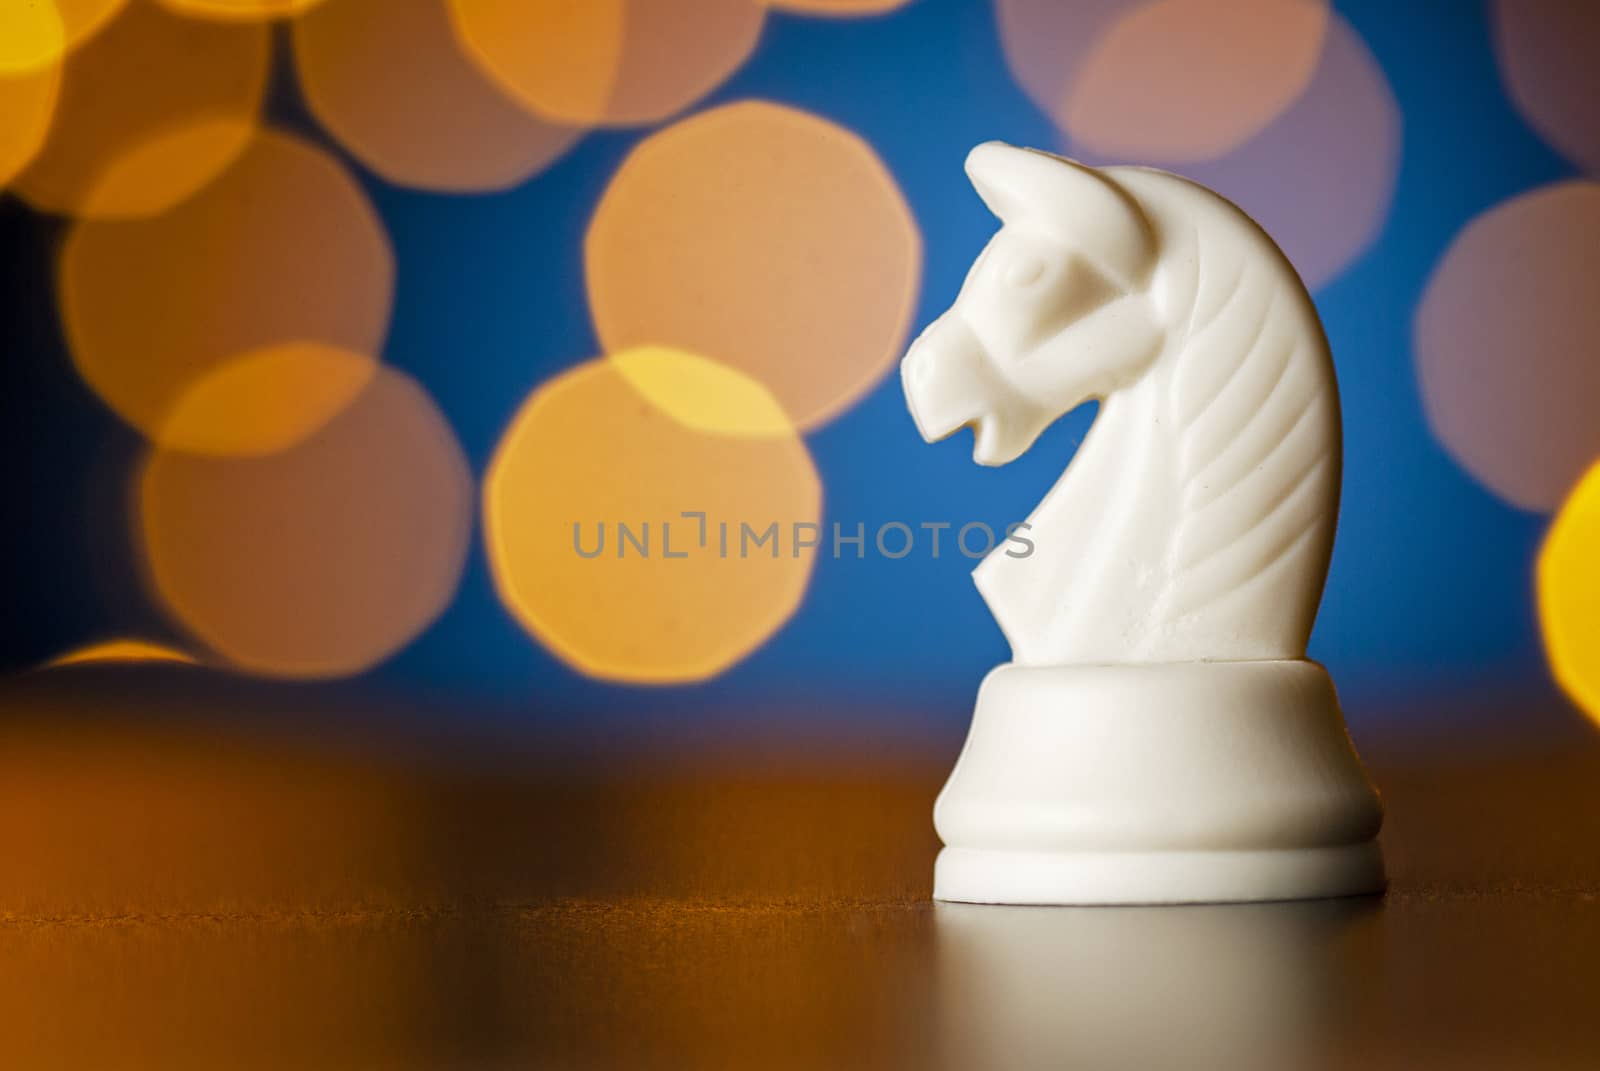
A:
(1506, 338)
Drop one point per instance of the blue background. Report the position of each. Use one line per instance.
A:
(1430, 590)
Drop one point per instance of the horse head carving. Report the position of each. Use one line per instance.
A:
(1195, 521)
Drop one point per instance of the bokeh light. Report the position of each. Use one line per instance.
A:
(32, 36)
(82, 19)
(763, 237)
(1162, 81)
(1175, 81)
(702, 395)
(837, 7)
(323, 559)
(122, 651)
(1047, 42)
(590, 448)
(1506, 338)
(1548, 51)
(1321, 177)
(143, 77)
(27, 104)
(246, 10)
(1568, 579)
(281, 253)
(1278, 104)
(393, 83)
(140, 182)
(265, 400)
(609, 62)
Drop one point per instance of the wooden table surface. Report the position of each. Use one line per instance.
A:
(192, 885)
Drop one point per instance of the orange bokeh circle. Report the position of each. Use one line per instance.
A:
(396, 87)
(82, 19)
(322, 559)
(766, 238)
(640, 439)
(608, 62)
(129, 650)
(265, 400)
(185, 93)
(281, 252)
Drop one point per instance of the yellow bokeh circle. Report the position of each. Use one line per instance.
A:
(702, 468)
(1568, 581)
(32, 36)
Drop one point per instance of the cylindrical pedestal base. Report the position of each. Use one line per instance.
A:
(1157, 784)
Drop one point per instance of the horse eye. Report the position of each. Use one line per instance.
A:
(1023, 271)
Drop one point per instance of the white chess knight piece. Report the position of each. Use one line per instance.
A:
(1160, 736)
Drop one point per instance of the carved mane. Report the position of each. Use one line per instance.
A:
(1196, 521)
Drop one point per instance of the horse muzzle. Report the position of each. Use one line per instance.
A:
(951, 382)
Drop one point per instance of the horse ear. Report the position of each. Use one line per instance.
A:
(1073, 203)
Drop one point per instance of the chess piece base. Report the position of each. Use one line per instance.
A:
(1157, 784)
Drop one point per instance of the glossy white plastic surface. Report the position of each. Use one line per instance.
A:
(1159, 708)
(1176, 783)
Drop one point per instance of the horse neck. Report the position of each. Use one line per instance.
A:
(1196, 519)
(1121, 484)
(1099, 535)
